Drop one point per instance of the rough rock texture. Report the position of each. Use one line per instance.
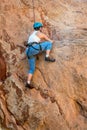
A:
(2, 68)
(59, 100)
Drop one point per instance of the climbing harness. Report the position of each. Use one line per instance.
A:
(31, 45)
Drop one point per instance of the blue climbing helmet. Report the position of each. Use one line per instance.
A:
(37, 25)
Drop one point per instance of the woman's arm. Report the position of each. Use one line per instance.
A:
(44, 37)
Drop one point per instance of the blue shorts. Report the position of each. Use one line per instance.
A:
(44, 46)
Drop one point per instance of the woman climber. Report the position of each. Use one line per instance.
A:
(37, 42)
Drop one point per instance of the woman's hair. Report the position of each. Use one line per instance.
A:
(37, 28)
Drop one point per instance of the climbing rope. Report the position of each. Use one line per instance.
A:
(33, 10)
(33, 6)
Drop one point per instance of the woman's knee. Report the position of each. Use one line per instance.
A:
(49, 45)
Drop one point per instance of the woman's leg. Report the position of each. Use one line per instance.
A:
(47, 46)
(29, 78)
(31, 71)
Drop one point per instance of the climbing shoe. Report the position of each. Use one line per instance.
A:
(29, 86)
(49, 59)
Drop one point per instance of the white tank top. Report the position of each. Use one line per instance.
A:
(33, 37)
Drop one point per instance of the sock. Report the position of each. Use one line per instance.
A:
(28, 82)
(47, 55)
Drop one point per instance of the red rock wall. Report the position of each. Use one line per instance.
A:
(58, 101)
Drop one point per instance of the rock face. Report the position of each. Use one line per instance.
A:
(59, 99)
(2, 68)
